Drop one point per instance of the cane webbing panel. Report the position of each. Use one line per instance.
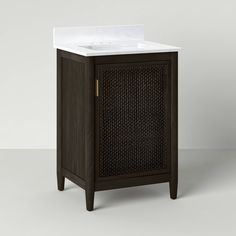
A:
(133, 118)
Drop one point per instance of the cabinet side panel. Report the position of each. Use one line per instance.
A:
(174, 124)
(58, 113)
(72, 116)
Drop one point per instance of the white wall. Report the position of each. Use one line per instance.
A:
(207, 66)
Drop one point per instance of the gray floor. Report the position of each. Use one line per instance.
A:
(31, 205)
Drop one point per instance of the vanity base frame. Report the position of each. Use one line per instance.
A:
(117, 121)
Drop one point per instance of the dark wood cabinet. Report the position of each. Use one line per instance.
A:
(117, 121)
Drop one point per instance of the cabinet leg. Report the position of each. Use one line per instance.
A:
(60, 182)
(173, 189)
(89, 199)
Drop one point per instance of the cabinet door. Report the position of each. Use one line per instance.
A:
(132, 119)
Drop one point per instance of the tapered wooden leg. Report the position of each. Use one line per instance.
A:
(89, 135)
(89, 199)
(174, 127)
(173, 189)
(60, 182)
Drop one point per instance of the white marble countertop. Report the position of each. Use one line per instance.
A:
(106, 40)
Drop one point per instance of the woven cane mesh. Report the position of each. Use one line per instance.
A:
(133, 109)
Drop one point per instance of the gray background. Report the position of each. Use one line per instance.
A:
(204, 29)
(29, 201)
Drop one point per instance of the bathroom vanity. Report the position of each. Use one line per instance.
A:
(116, 109)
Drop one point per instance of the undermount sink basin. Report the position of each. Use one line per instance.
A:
(116, 47)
